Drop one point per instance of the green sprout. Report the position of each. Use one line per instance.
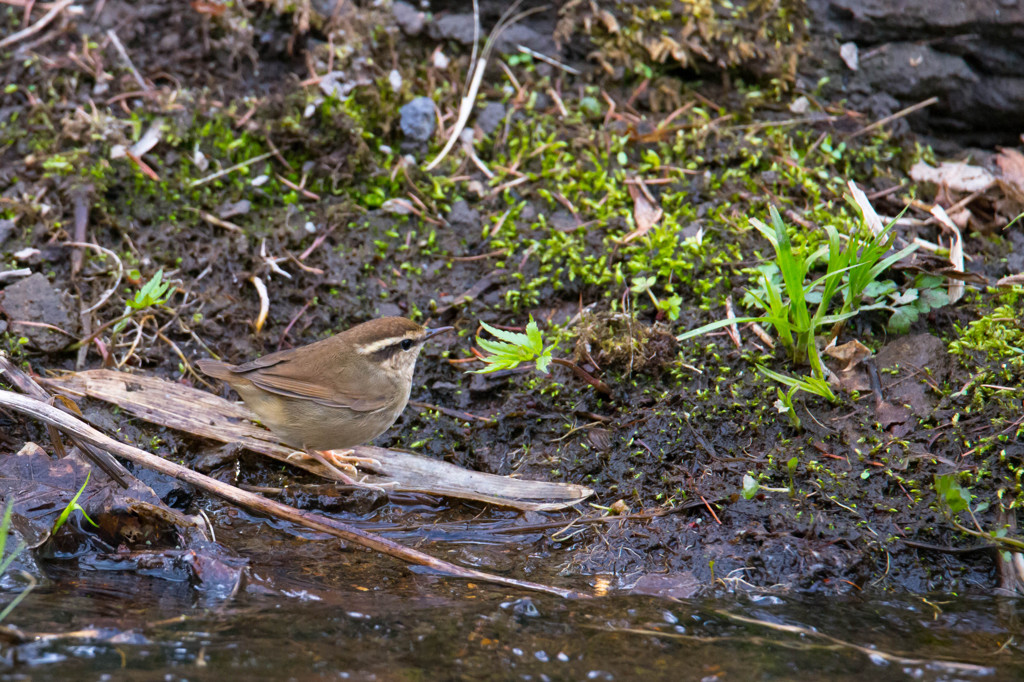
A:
(808, 384)
(514, 348)
(6, 561)
(671, 306)
(153, 293)
(751, 487)
(73, 506)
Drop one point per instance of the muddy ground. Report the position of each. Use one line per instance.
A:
(342, 223)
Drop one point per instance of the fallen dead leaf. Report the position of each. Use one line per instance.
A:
(957, 175)
(852, 353)
(646, 213)
(956, 252)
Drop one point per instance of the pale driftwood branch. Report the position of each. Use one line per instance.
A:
(181, 407)
(26, 384)
(256, 503)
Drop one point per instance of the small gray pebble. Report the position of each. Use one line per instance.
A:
(418, 122)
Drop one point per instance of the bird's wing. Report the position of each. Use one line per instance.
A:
(294, 387)
(280, 374)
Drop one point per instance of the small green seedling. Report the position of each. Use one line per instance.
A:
(808, 384)
(514, 348)
(73, 506)
(7, 559)
(671, 306)
(153, 293)
(751, 487)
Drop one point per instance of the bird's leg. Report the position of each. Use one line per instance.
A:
(347, 459)
(335, 461)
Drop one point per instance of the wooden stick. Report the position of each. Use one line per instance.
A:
(257, 503)
(36, 27)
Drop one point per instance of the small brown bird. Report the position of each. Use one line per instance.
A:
(335, 393)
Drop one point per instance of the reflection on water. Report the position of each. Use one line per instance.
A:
(401, 626)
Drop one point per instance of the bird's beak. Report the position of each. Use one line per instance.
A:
(434, 332)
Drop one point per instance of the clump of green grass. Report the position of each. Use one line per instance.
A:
(800, 310)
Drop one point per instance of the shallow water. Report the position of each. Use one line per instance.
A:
(396, 625)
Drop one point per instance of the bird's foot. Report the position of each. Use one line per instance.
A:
(340, 462)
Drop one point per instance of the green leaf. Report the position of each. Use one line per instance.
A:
(907, 297)
(902, 318)
(515, 348)
(931, 299)
(716, 325)
(536, 342)
(72, 506)
(5, 528)
(543, 361)
(515, 338)
(952, 493)
(750, 486)
(877, 289)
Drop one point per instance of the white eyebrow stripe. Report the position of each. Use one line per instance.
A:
(381, 344)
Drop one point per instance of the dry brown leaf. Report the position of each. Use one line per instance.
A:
(852, 353)
(871, 218)
(646, 213)
(956, 252)
(1011, 163)
(1012, 280)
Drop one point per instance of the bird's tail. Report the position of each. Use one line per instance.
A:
(215, 368)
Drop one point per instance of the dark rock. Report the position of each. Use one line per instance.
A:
(479, 386)
(408, 18)
(491, 117)
(457, 27)
(388, 309)
(541, 102)
(968, 54)
(916, 71)
(34, 300)
(460, 28)
(6, 229)
(1015, 261)
(520, 34)
(418, 121)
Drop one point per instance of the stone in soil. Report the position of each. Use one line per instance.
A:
(33, 299)
(418, 121)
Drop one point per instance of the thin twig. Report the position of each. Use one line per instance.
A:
(899, 114)
(120, 272)
(231, 169)
(14, 376)
(127, 60)
(36, 27)
(584, 374)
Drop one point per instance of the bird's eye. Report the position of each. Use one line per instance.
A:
(406, 344)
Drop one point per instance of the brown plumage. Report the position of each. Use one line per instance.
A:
(336, 393)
